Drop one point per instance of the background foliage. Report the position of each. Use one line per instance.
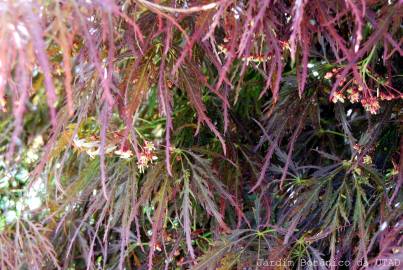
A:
(198, 134)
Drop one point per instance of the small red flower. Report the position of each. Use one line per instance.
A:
(328, 75)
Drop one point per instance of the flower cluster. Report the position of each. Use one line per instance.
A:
(338, 96)
(92, 148)
(367, 160)
(371, 105)
(146, 156)
(386, 96)
(355, 93)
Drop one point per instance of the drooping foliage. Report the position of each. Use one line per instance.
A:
(197, 134)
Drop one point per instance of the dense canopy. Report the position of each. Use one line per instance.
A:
(181, 134)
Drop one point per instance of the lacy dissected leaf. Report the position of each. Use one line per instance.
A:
(161, 200)
(194, 87)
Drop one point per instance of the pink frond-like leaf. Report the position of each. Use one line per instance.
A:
(158, 219)
(40, 49)
(193, 87)
(186, 206)
(165, 100)
(298, 16)
(104, 118)
(303, 69)
(19, 99)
